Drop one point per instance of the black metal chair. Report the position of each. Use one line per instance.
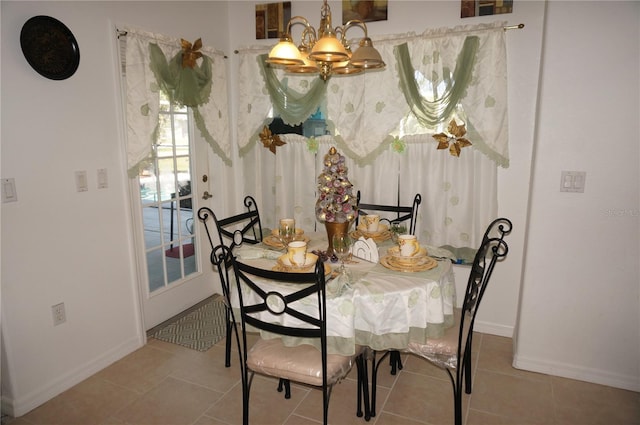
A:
(399, 213)
(305, 364)
(452, 352)
(240, 228)
(233, 231)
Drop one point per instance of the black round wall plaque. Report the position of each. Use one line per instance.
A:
(50, 47)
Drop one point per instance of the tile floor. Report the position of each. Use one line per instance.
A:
(165, 384)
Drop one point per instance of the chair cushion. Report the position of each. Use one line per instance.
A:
(443, 351)
(302, 363)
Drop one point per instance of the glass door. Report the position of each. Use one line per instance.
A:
(170, 264)
(167, 202)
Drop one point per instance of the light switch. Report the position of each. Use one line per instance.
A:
(9, 193)
(572, 181)
(81, 181)
(103, 181)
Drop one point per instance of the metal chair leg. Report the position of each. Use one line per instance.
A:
(374, 379)
(395, 361)
(458, 404)
(227, 348)
(286, 385)
(363, 389)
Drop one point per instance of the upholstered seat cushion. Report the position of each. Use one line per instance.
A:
(443, 351)
(302, 363)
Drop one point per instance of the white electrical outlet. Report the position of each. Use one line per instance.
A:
(9, 193)
(103, 180)
(59, 315)
(81, 181)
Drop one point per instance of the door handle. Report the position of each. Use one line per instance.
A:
(206, 195)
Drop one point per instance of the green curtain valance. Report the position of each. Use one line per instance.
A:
(184, 85)
(462, 70)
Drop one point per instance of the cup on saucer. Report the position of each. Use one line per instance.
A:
(371, 222)
(297, 253)
(409, 245)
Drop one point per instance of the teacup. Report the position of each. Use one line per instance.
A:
(297, 253)
(371, 222)
(409, 245)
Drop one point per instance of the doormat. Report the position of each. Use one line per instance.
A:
(175, 251)
(198, 328)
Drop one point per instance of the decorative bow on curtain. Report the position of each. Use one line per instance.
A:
(181, 78)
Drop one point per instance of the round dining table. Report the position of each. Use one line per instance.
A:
(377, 307)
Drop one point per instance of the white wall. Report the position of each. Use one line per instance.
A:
(579, 314)
(59, 245)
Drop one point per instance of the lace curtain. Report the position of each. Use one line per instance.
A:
(390, 150)
(458, 194)
(153, 63)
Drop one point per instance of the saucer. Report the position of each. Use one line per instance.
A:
(276, 232)
(397, 258)
(427, 263)
(309, 262)
(362, 228)
(284, 265)
(275, 242)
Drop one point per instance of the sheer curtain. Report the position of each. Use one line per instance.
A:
(152, 63)
(391, 154)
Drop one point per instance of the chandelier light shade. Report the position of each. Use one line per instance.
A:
(325, 51)
(367, 56)
(285, 53)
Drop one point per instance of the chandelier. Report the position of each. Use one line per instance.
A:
(322, 52)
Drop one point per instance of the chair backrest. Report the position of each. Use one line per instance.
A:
(492, 249)
(237, 229)
(278, 304)
(399, 213)
(221, 258)
(280, 307)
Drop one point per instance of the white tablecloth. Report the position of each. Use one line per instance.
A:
(382, 309)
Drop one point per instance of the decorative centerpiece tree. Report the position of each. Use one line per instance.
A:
(336, 205)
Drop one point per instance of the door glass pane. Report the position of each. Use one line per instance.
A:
(167, 178)
(167, 207)
(151, 219)
(155, 272)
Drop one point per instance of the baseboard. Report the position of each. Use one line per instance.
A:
(579, 373)
(493, 329)
(24, 404)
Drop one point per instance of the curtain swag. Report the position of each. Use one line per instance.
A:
(293, 107)
(443, 73)
(188, 86)
(432, 113)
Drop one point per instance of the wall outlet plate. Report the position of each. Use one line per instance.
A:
(572, 181)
